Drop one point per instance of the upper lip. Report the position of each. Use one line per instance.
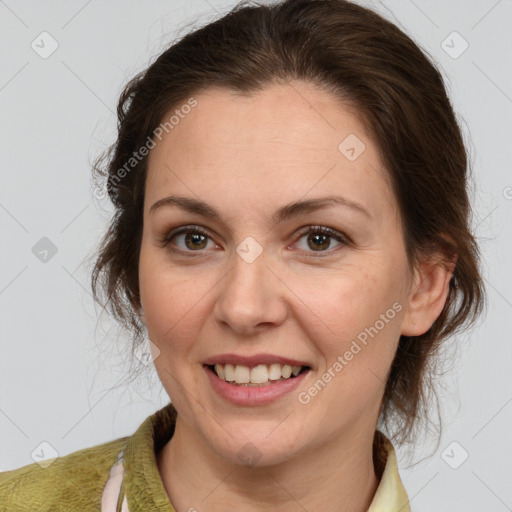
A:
(253, 360)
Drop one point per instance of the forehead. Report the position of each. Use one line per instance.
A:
(278, 144)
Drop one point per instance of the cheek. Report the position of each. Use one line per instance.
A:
(346, 303)
(174, 305)
(173, 309)
(363, 312)
(170, 312)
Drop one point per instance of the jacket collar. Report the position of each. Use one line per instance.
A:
(145, 490)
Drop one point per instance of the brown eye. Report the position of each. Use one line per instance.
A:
(195, 240)
(319, 239)
(188, 239)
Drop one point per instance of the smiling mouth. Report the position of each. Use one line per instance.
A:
(260, 375)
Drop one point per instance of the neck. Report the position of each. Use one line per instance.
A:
(338, 476)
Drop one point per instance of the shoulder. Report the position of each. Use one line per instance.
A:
(70, 482)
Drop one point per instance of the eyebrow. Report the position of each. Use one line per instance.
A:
(288, 211)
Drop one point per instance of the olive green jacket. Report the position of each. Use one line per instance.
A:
(77, 482)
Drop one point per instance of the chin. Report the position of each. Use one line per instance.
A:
(257, 450)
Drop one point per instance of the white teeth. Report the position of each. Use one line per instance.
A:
(286, 371)
(229, 372)
(219, 371)
(242, 374)
(274, 372)
(260, 374)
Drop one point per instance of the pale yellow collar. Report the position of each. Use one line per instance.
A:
(144, 485)
(390, 495)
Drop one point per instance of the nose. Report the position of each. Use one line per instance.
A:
(252, 297)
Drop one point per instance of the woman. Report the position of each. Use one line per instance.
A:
(292, 231)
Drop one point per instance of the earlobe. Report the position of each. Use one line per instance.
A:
(431, 284)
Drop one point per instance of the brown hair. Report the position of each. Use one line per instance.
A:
(365, 61)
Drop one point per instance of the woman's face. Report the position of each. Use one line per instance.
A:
(259, 282)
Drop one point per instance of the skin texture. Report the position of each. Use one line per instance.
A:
(246, 157)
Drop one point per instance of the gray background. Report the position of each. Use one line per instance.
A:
(61, 365)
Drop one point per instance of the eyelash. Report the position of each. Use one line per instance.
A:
(340, 237)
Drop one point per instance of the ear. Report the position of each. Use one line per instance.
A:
(429, 290)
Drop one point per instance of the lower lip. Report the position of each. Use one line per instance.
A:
(253, 395)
